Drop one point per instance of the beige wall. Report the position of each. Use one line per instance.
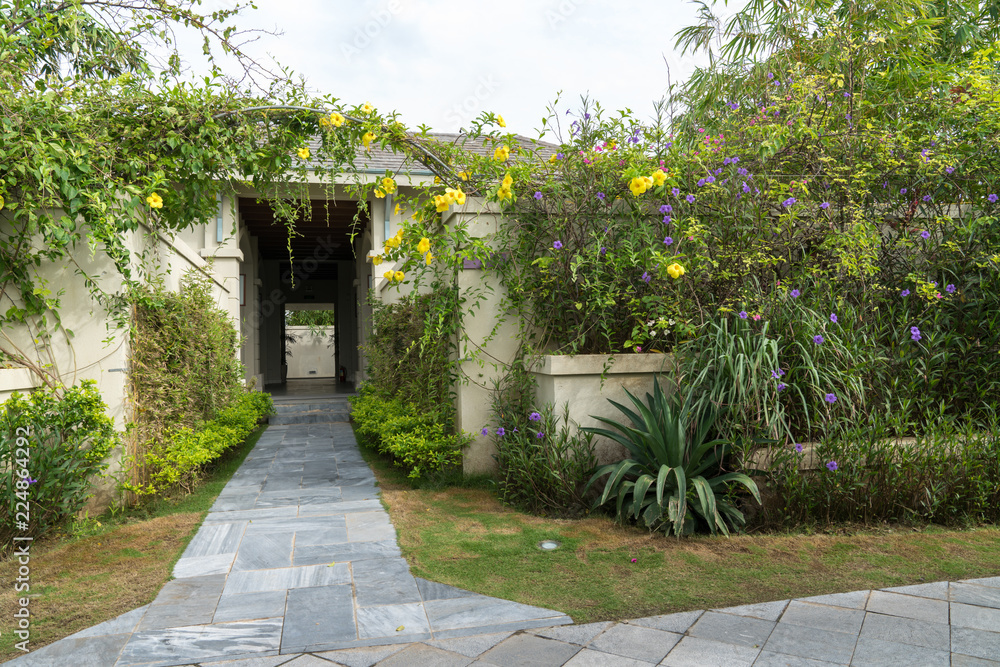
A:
(311, 354)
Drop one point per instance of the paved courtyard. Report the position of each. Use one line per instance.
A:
(297, 564)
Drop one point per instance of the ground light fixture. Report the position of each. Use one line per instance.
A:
(548, 545)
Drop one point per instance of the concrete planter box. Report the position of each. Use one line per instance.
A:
(586, 381)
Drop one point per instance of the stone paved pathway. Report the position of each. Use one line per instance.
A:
(297, 564)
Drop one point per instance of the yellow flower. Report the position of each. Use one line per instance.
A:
(399, 233)
(428, 259)
(501, 153)
(503, 193)
(648, 181)
(659, 177)
(459, 197)
(367, 108)
(337, 119)
(387, 248)
(637, 185)
(675, 270)
(324, 122)
(1, 202)
(500, 121)
(397, 210)
(387, 275)
(155, 201)
(367, 138)
(424, 245)
(441, 203)
(392, 242)
(464, 175)
(552, 160)
(437, 180)
(388, 184)
(376, 260)
(304, 152)
(508, 181)
(399, 276)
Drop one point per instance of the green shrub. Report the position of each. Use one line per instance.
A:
(177, 460)
(413, 439)
(673, 468)
(62, 440)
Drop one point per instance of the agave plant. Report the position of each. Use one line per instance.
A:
(667, 480)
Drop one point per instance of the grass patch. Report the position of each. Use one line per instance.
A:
(104, 567)
(464, 537)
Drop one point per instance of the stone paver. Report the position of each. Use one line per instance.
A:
(297, 565)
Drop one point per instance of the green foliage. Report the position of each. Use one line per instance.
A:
(414, 439)
(176, 460)
(674, 477)
(53, 447)
(310, 318)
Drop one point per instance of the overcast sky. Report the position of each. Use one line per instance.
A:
(442, 62)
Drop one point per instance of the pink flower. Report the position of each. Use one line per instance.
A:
(635, 560)
(756, 317)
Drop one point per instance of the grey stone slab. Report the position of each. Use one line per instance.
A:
(361, 657)
(425, 656)
(879, 653)
(250, 606)
(332, 535)
(697, 652)
(908, 606)
(316, 649)
(188, 612)
(959, 660)
(342, 507)
(122, 624)
(768, 611)
(180, 590)
(287, 479)
(983, 596)
(992, 582)
(252, 581)
(679, 622)
(470, 646)
(971, 616)
(937, 590)
(589, 658)
(384, 581)
(905, 631)
(731, 629)
(265, 551)
(342, 553)
(824, 617)
(220, 538)
(511, 627)
(853, 600)
(363, 492)
(633, 641)
(369, 526)
(316, 616)
(528, 651)
(483, 611)
(307, 660)
(250, 515)
(574, 634)
(191, 644)
(393, 620)
(243, 501)
(770, 659)
(296, 525)
(270, 661)
(99, 651)
(813, 643)
(197, 566)
(432, 590)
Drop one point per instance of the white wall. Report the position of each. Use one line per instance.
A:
(311, 354)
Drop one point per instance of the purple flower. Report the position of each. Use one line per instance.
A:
(646, 277)
(770, 76)
(485, 431)
(925, 234)
(915, 334)
(993, 198)
(831, 398)
(701, 182)
(733, 106)
(666, 219)
(777, 373)
(501, 432)
(798, 447)
(743, 314)
(540, 435)
(789, 202)
(534, 416)
(666, 208)
(927, 197)
(668, 241)
(710, 179)
(690, 199)
(604, 251)
(905, 293)
(560, 156)
(557, 244)
(949, 170)
(600, 195)
(831, 466)
(742, 170)
(746, 188)
(781, 386)
(795, 293)
(833, 317)
(676, 191)
(949, 288)
(902, 191)
(29, 480)
(818, 339)
(825, 205)
(538, 194)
